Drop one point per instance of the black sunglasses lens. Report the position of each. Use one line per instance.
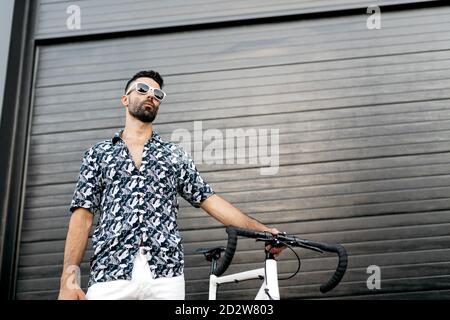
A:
(158, 94)
(142, 88)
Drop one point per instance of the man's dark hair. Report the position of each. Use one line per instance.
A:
(146, 74)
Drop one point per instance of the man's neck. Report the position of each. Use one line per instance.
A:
(137, 131)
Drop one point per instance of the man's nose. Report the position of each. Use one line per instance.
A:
(151, 97)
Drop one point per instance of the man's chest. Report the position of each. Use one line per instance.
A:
(139, 165)
(136, 150)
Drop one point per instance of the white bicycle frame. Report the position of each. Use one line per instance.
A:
(269, 288)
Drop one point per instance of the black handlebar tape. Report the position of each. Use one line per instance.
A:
(233, 232)
(250, 233)
(342, 265)
(229, 253)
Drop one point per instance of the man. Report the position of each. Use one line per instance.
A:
(132, 182)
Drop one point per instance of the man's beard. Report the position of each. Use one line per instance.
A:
(143, 113)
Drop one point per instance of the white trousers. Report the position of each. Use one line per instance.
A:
(142, 286)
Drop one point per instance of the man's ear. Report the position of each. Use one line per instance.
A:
(125, 100)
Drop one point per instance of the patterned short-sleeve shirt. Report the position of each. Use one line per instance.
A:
(137, 207)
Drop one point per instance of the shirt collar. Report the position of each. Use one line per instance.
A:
(118, 137)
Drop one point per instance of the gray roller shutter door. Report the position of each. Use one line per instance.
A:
(104, 16)
(364, 133)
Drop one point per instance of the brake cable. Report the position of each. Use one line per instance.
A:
(266, 290)
(298, 259)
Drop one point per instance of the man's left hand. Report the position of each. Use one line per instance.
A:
(275, 250)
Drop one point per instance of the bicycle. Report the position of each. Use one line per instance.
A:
(269, 289)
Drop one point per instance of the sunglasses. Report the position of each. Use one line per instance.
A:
(144, 88)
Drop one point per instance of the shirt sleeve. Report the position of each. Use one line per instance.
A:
(191, 186)
(87, 192)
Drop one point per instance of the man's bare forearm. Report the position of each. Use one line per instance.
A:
(77, 237)
(228, 214)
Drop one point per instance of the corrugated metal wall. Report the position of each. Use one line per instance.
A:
(364, 124)
(103, 16)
